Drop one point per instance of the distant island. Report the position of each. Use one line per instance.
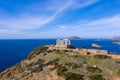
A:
(118, 43)
(74, 38)
(96, 45)
(63, 61)
(115, 38)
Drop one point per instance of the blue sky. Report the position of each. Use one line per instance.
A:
(21, 19)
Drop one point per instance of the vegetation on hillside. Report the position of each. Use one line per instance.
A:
(63, 65)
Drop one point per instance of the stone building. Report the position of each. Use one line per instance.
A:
(60, 42)
(63, 43)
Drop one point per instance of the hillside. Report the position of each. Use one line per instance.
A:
(44, 64)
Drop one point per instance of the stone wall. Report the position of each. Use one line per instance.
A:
(94, 51)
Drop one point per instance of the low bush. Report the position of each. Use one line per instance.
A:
(49, 51)
(118, 72)
(37, 51)
(76, 56)
(39, 62)
(73, 76)
(43, 48)
(61, 70)
(53, 62)
(65, 51)
(30, 65)
(58, 52)
(19, 67)
(74, 66)
(118, 62)
(36, 69)
(102, 56)
(8, 75)
(96, 77)
(93, 69)
(44, 54)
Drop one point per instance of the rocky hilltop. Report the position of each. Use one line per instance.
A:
(67, 64)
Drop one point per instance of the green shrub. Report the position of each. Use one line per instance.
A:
(76, 56)
(74, 66)
(53, 62)
(39, 67)
(93, 69)
(36, 69)
(8, 75)
(65, 51)
(73, 76)
(31, 55)
(43, 48)
(39, 62)
(30, 65)
(44, 54)
(68, 64)
(19, 67)
(102, 56)
(96, 77)
(49, 51)
(37, 51)
(57, 51)
(61, 70)
(118, 72)
(118, 62)
(25, 74)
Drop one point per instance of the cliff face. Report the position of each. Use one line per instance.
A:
(44, 64)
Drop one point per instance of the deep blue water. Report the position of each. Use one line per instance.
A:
(13, 51)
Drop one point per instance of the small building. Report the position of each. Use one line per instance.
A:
(60, 42)
(63, 43)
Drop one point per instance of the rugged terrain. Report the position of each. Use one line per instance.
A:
(44, 64)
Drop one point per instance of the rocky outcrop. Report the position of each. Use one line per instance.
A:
(96, 45)
(118, 43)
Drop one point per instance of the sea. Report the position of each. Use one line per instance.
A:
(15, 50)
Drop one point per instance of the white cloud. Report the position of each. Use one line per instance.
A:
(104, 27)
(31, 21)
(15, 25)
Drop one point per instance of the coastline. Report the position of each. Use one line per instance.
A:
(21, 48)
(42, 61)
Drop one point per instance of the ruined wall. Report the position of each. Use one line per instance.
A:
(93, 51)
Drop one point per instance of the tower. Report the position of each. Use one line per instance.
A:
(67, 42)
(60, 42)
